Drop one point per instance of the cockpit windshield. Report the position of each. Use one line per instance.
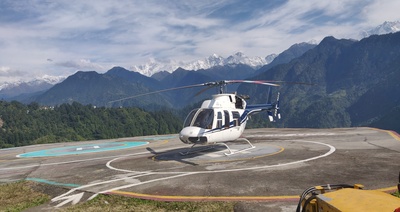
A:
(189, 118)
(202, 117)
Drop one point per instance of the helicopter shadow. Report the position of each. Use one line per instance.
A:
(184, 155)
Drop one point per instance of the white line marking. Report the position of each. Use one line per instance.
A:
(182, 174)
(145, 182)
(92, 197)
(79, 149)
(98, 183)
(332, 149)
(72, 198)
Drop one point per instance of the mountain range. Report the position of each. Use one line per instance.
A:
(214, 60)
(117, 83)
(356, 84)
(158, 69)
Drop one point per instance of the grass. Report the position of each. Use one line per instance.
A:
(121, 203)
(19, 195)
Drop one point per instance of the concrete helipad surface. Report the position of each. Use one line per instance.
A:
(271, 176)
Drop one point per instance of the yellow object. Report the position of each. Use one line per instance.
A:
(349, 199)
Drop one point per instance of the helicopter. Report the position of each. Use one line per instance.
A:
(222, 118)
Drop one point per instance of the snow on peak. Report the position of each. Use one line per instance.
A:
(154, 66)
(45, 79)
(313, 42)
(50, 79)
(385, 28)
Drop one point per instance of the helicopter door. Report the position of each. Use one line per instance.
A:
(227, 119)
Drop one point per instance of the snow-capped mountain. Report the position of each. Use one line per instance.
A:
(12, 89)
(46, 79)
(385, 28)
(155, 66)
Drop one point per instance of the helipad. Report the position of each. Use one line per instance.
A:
(269, 177)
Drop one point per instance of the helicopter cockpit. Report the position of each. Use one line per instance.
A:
(201, 117)
(205, 118)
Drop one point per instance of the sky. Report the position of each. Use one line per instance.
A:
(46, 37)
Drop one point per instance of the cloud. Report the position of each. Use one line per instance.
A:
(8, 72)
(129, 32)
(380, 11)
(81, 64)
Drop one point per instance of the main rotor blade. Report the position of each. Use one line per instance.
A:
(160, 91)
(268, 82)
(204, 89)
(262, 82)
(296, 83)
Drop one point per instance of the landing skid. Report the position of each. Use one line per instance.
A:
(237, 151)
(231, 152)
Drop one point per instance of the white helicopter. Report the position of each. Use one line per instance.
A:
(222, 118)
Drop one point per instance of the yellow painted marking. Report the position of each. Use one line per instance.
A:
(390, 132)
(219, 198)
(394, 135)
(241, 159)
(210, 198)
(154, 158)
(164, 142)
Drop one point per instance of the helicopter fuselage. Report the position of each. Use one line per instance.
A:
(221, 119)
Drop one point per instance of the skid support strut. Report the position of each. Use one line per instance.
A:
(232, 152)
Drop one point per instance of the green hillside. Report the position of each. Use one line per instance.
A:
(22, 125)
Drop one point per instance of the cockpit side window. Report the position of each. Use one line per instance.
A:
(204, 119)
(239, 103)
(227, 119)
(236, 118)
(219, 119)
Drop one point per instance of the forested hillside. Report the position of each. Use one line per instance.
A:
(22, 125)
(356, 84)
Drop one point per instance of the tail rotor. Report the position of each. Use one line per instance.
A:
(277, 112)
(277, 109)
